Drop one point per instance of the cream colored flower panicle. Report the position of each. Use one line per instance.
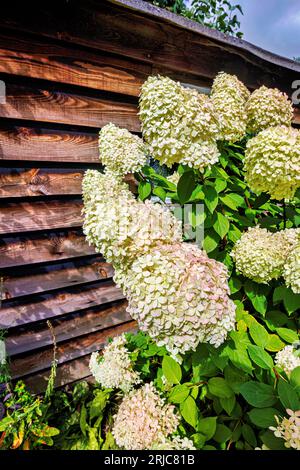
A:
(123, 229)
(287, 359)
(175, 443)
(259, 255)
(272, 162)
(268, 107)
(174, 178)
(114, 369)
(229, 96)
(143, 419)
(120, 151)
(101, 187)
(291, 271)
(179, 124)
(289, 429)
(180, 297)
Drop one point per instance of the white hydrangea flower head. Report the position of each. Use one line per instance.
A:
(180, 297)
(268, 107)
(291, 271)
(179, 124)
(174, 443)
(101, 187)
(143, 418)
(289, 429)
(120, 151)
(122, 229)
(287, 360)
(174, 178)
(259, 255)
(114, 369)
(229, 96)
(272, 162)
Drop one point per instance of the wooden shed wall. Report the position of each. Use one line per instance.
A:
(70, 68)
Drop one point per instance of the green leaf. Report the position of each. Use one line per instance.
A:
(260, 357)
(221, 225)
(275, 319)
(98, 404)
(274, 344)
(249, 435)
(263, 417)
(179, 393)
(144, 190)
(207, 426)
(240, 359)
(222, 434)
(160, 192)
(228, 404)
(198, 440)
(235, 284)
(295, 378)
(82, 420)
(288, 396)
(272, 442)
(211, 241)
(258, 394)
(186, 186)
(259, 334)
(218, 387)
(287, 335)
(257, 294)
(291, 302)
(171, 370)
(189, 411)
(220, 185)
(233, 201)
(211, 198)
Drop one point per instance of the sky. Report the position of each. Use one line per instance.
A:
(272, 24)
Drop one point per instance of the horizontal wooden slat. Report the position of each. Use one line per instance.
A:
(55, 277)
(296, 116)
(43, 248)
(65, 352)
(39, 182)
(50, 306)
(42, 59)
(47, 105)
(25, 143)
(66, 328)
(30, 216)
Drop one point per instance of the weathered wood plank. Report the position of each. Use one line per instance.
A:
(73, 326)
(75, 66)
(138, 30)
(79, 347)
(47, 105)
(20, 251)
(30, 216)
(51, 306)
(50, 278)
(39, 182)
(44, 145)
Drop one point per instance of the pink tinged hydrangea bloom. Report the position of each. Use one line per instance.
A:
(289, 429)
(120, 151)
(114, 369)
(291, 271)
(272, 162)
(179, 124)
(287, 359)
(268, 107)
(143, 419)
(229, 96)
(180, 297)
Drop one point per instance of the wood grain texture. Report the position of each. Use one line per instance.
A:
(50, 306)
(48, 145)
(49, 105)
(50, 278)
(31, 216)
(38, 182)
(74, 66)
(70, 327)
(73, 349)
(56, 246)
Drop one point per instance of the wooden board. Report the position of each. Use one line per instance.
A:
(56, 246)
(30, 216)
(66, 328)
(54, 105)
(50, 306)
(79, 347)
(74, 66)
(54, 277)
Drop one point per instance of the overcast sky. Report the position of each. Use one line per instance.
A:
(273, 25)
